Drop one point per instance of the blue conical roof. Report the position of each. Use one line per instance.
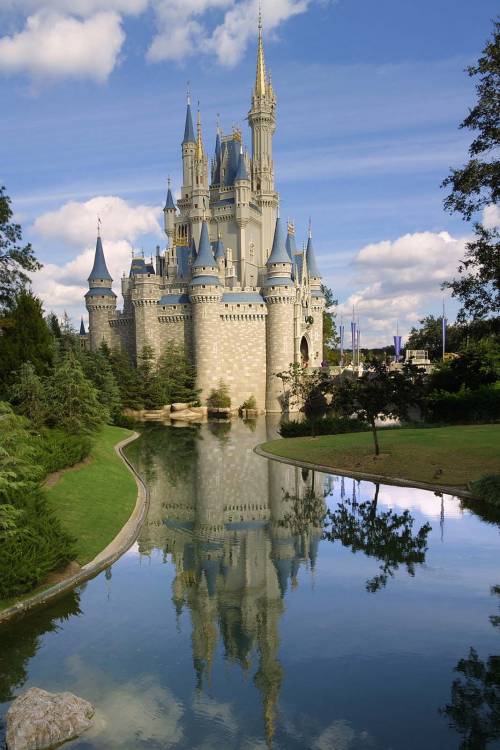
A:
(217, 160)
(99, 269)
(82, 328)
(219, 249)
(188, 127)
(192, 250)
(170, 201)
(241, 172)
(204, 258)
(279, 252)
(291, 247)
(312, 266)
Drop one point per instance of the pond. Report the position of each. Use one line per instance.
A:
(264, 605)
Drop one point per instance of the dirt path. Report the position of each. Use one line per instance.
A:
(53, 478)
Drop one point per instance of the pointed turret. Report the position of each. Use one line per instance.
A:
(205, 261)
(199, 139)
(82, 328)
(241, 172)
(99, 269)
(188, 127)
(169, 204)
(220, 252)
(260, 75)
(169, 212)
(279, 254)
(312, 266)
(291, 247)
(217, 159)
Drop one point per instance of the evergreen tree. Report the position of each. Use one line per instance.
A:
(97, 368)
(126, 377)
(330, 335)
(26, 338)
(28, 394)
(176, 375)
(477, 185)
(73, 401)
(151, 386)
(53, 324)
(16, 262)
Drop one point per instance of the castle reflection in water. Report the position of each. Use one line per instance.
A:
(226, 517)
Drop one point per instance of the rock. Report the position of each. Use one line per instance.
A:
(203, 410)
(38, 719)
(185, 415)
(179, 407)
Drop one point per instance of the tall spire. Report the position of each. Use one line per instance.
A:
(199, 140)
(99, 269)
(312, 266)
(188, 127)
(260, 78)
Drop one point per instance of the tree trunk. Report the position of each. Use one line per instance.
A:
(375, 437)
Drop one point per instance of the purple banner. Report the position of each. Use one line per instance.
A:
(341, 336)
(444, 334)
(353, 337)
(397, 347)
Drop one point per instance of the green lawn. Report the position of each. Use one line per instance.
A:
(95, 500)
(440, 455)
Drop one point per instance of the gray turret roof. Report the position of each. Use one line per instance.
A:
(170, 201)
(100, 291)
(291, 247)
(220, 251)
(188, 127)
(99, 269)
(205, 258)
(217, 160)
(192, 250)
(82, 328)
(241, 173)
(279, 252)
(312, 266)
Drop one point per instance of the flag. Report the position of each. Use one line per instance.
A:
(353, 337)
(397, 346)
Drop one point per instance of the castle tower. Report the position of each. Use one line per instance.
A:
(188, 152)
(145, 296)
(242, 202)
(205, 295)
(169, 216)
(279, 294)
(200, 193)
(317, 305)
(100, 300)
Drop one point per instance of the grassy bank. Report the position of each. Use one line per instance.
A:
(95, 500)
(440, 455)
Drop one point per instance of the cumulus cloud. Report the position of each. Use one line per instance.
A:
(75, 222)
(77, 7)
(400, 280)
(183, 28)
(55, 46)
(491, 216)
(62, 286)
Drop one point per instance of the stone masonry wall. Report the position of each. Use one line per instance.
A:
(243, 354)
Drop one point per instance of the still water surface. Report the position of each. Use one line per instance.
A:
(240, 620)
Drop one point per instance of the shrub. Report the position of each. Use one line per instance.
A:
(124, 420)
(487, 489)
(480, 405)
(249, 403)
(57, 450)
(329, 425)
(219, 398)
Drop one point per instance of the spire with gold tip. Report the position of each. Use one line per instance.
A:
(199, 140)
(260, 78)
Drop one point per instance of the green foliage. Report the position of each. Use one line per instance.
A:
(219, 397)
(476, 366)
(487, 489)
(54, 450)
(476, 185)
(28, 395)
(26, 338)
(72, 399)
(176, 376)
(16, 261)
(329, 425)
(306, 387)
(127, 379)
(330, 336)
(98, 370)
(249, 403)
(151, 388)
(464, 407)
(429, 336)
(380, 393)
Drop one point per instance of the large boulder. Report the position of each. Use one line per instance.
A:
(38, 719)
(179, 407)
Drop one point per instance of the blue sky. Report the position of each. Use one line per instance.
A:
(370, 96)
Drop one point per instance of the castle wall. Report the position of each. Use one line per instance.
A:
(243, 353)
(280, 345)
(207, 341)
(177, 328)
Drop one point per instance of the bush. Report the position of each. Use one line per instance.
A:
(249, 403)
(329, 425)
(57, 450)
(124, 420)
(465, 406)
(487, 489)
(219, 398)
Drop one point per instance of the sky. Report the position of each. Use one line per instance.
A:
(370, 97)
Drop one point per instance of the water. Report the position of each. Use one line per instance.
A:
(231, 623)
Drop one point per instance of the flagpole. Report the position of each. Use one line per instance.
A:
(443, 331)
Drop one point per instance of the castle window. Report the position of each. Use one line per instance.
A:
(226, 305)
(237, 305)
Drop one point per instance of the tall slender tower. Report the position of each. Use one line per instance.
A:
(317, 304)
(262, 120)
(188, 152)
(200, 192)
(100, 299)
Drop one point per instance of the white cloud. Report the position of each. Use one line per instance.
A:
(62, 287)
(183, 30)
(77, 7)
(76, 222)
(491, 216)
(400, 280)
(54, 46)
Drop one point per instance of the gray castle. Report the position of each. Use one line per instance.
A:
(230, 286)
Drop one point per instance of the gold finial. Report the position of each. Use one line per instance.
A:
(199, 140)
(260, 78)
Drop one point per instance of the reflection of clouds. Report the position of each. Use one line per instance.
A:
(341, 736)
(220, 713)
(140, 708)
(424, 501)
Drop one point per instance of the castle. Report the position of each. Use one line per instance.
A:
(230, 286)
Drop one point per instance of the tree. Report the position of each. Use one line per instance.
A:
(151, 386)
(72, 399)
(98, 370)
(219, 397)
(380, 393)
(127, 378)
(307, 388)
(25, 339)
(28, 394)
(16, 261)
(53, 324)
(429, 336)
(177, 375)
(477, 365)
(477, 185)
(330, 336)
(387, 536)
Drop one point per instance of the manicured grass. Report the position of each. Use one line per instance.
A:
(440, 455)
(95, 500)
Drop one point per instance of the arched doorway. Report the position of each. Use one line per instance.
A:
(304, 351)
